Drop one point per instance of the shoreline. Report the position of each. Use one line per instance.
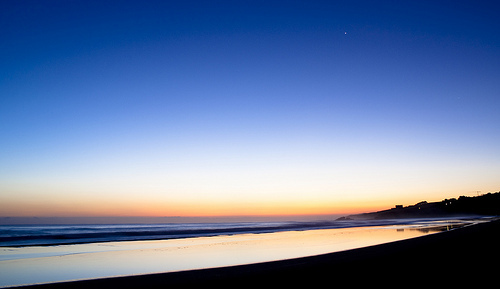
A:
(172, 234)
(467, 254)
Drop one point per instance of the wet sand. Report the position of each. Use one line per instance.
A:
(465, 256)
(64, 263)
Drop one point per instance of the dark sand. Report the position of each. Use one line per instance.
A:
(465, 256)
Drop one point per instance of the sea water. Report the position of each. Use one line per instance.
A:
(45, 254)
(42, 235)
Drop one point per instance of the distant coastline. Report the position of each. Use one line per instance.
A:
(484, 205)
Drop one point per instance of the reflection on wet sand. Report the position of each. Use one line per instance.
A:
(29, 265)
(435, 226)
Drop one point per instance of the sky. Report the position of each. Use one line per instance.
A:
(231, 108)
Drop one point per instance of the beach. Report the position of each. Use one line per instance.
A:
(468, 254)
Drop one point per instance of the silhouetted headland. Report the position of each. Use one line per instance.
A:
(484, 205)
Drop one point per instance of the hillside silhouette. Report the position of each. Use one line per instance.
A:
(484, 205)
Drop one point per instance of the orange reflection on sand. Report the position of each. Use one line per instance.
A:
(30, 265)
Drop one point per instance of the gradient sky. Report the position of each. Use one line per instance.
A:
(207, 108)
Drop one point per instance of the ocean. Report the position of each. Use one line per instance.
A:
(43, 235)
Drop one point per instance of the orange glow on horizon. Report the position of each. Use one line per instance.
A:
(203, 205)
(148, 208)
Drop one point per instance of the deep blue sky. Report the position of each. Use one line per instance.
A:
(256, 105)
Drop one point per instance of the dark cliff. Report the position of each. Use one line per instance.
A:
(485, 205)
